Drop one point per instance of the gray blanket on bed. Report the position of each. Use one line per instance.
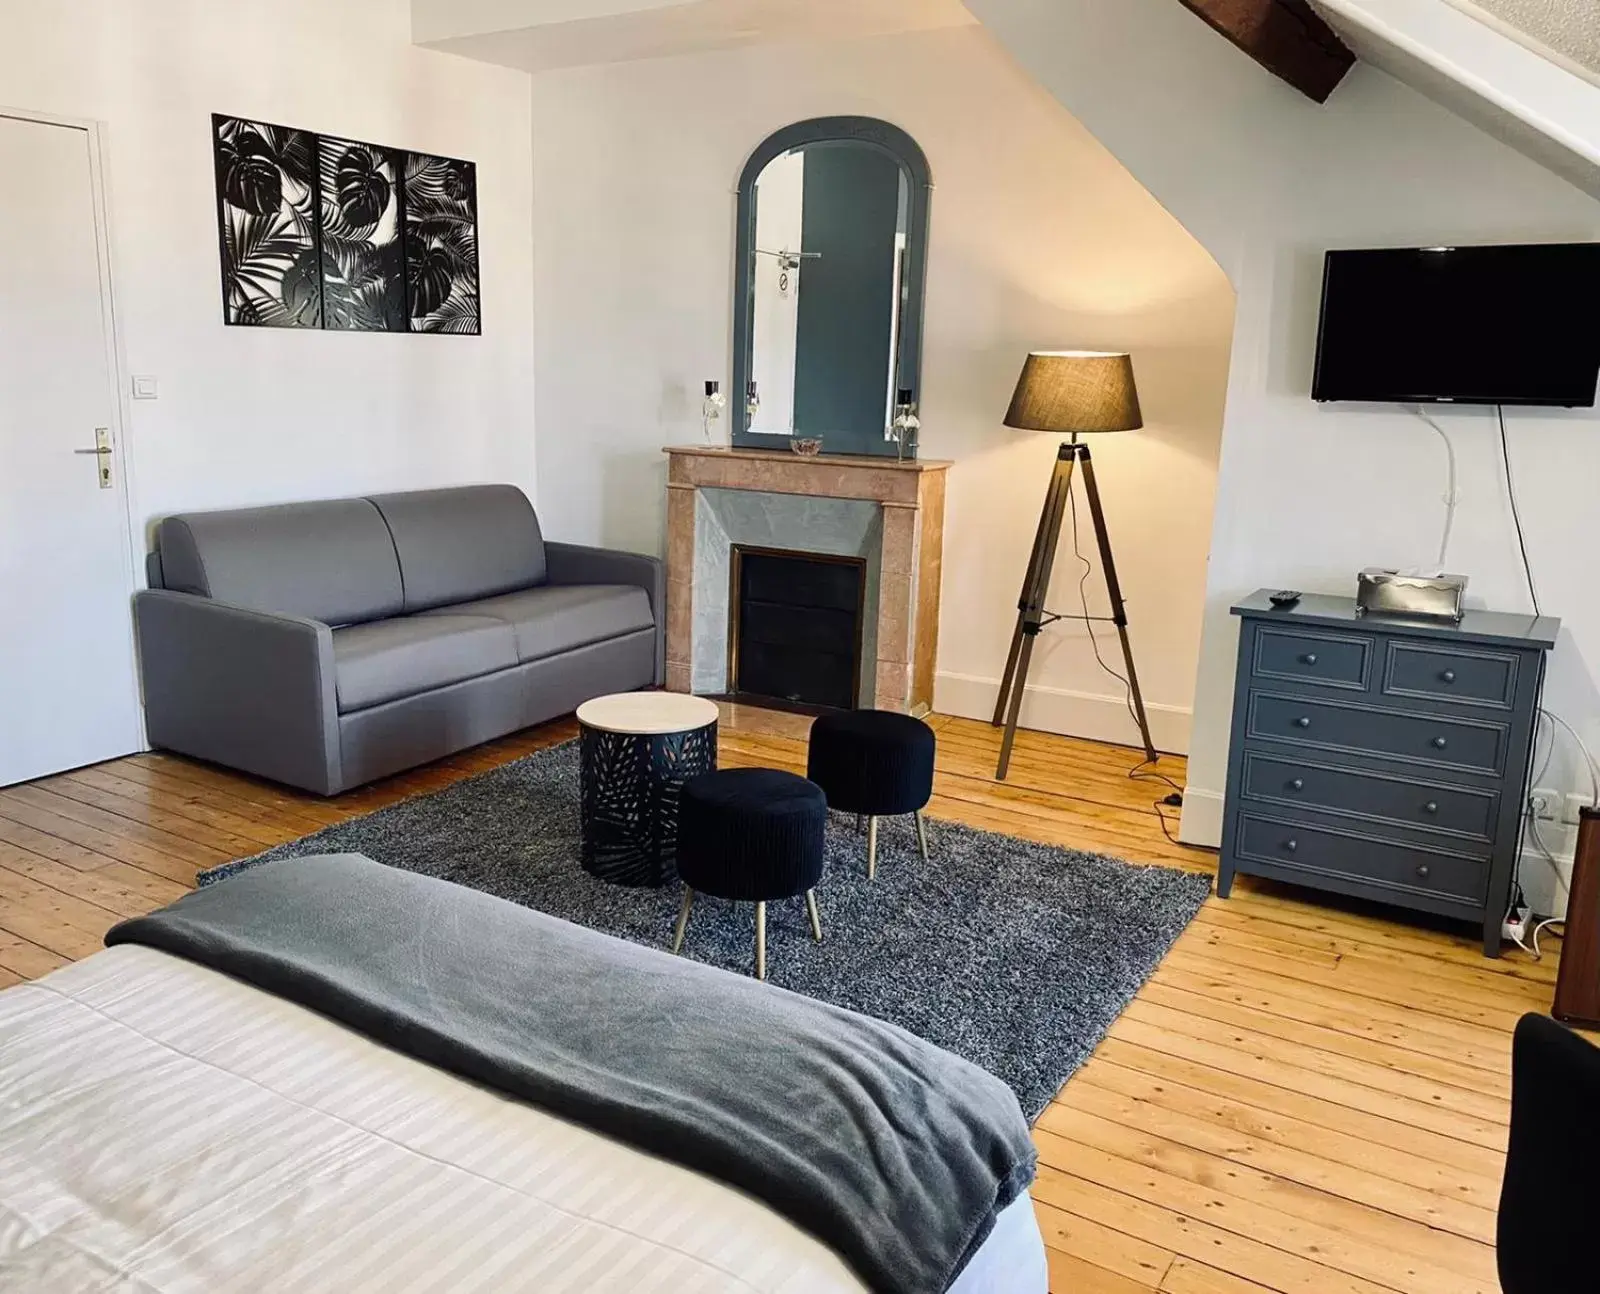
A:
(894, 1153)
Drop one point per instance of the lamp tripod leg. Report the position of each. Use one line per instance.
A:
(1015, 708)
(1012, 656)
(1030, 604)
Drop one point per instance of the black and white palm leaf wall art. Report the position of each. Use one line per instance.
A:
(322, 232)
(267, 204)
(363, 262)
(441, 244)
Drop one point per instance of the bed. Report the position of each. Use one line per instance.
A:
(167, 1127)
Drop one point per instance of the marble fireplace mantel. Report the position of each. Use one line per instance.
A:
(905, 554)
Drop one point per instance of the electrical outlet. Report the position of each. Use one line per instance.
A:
(1574, 803)
(1545, 803)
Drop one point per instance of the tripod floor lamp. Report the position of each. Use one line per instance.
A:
(1070, 392)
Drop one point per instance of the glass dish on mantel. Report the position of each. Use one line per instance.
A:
(806, 446)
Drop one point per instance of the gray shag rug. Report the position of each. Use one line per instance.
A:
(1015, 955)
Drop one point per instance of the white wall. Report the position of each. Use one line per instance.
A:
(1268, 181)
(1039, 240)
(251, 415)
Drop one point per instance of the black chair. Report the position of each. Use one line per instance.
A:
(1551, 1194)
(753, 835)
(875, 764)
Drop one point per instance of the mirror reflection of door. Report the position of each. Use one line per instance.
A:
(828, 265)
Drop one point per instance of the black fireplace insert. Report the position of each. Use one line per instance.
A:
(796, 627)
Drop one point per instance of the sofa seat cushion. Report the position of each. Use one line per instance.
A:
(558, 618)
(389, 659)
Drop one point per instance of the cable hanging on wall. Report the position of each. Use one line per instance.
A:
(1452, 494)
(1516, 512)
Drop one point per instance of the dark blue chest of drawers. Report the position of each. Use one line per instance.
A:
(1383, 758)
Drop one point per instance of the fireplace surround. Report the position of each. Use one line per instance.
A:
(884, 515)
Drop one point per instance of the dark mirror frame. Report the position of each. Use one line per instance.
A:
(836, 130)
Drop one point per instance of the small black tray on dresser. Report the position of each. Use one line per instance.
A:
(1383, 757)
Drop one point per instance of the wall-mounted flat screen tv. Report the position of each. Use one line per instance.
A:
(1464, 325)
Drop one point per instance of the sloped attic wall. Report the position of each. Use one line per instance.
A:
(1268, 181)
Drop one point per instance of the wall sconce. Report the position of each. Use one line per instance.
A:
(711, 408)
(905, 429)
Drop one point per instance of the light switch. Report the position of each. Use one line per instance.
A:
(145, 387)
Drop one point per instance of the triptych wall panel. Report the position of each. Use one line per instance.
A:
(322, 232)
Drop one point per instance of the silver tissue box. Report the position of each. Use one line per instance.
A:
(1438, 597)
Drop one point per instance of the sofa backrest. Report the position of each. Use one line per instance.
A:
(332, 561)
(468, 542)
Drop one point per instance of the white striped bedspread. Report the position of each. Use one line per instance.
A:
(164, 1128)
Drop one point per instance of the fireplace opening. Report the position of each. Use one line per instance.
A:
(795, 627)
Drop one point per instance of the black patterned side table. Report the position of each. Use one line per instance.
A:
(637, 749)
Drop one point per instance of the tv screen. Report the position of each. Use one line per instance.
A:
(1469, 325)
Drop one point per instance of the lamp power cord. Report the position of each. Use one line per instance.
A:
(1144, 770)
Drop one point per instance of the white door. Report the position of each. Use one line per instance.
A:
(67, 691)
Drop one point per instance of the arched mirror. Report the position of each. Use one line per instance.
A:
(831, 263)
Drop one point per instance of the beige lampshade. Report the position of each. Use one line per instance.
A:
(1074, 391)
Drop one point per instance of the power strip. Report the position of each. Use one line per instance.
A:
(1515, 926)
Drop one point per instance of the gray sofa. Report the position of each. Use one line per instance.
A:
(327, 644)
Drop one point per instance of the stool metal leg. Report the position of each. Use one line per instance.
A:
(761, 941)
(683, 920)
(872, 847)
(922, 835)
(816, 919)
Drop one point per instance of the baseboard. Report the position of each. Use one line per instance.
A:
(1201, 823)
(1090, 715)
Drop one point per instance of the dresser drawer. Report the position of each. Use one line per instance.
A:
(1320, 657)
(1450, 674)
(1375, 796)
(1353, 857)
(1474, 746)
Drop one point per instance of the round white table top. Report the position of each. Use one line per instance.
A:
(648, 713)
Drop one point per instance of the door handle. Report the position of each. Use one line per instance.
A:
(102, 452)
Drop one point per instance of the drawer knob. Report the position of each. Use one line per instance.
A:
(1291, 845)
(1298, 784)
(1432, 806)
(1302, 722)
(1439, 743)
(1449, 676)
(1422, 871)
(1310, 658)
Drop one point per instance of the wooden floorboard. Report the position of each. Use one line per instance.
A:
(1308, 1097)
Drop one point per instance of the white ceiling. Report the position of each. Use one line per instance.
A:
(1569, 27)
(539, 35)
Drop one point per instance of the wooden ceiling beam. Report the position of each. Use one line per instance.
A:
(1287, 37)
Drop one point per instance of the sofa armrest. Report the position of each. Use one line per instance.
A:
(242, 688)
(576, 564)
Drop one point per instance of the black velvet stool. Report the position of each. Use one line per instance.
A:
(874, 763)
(753, 835)
(1551, 1190)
